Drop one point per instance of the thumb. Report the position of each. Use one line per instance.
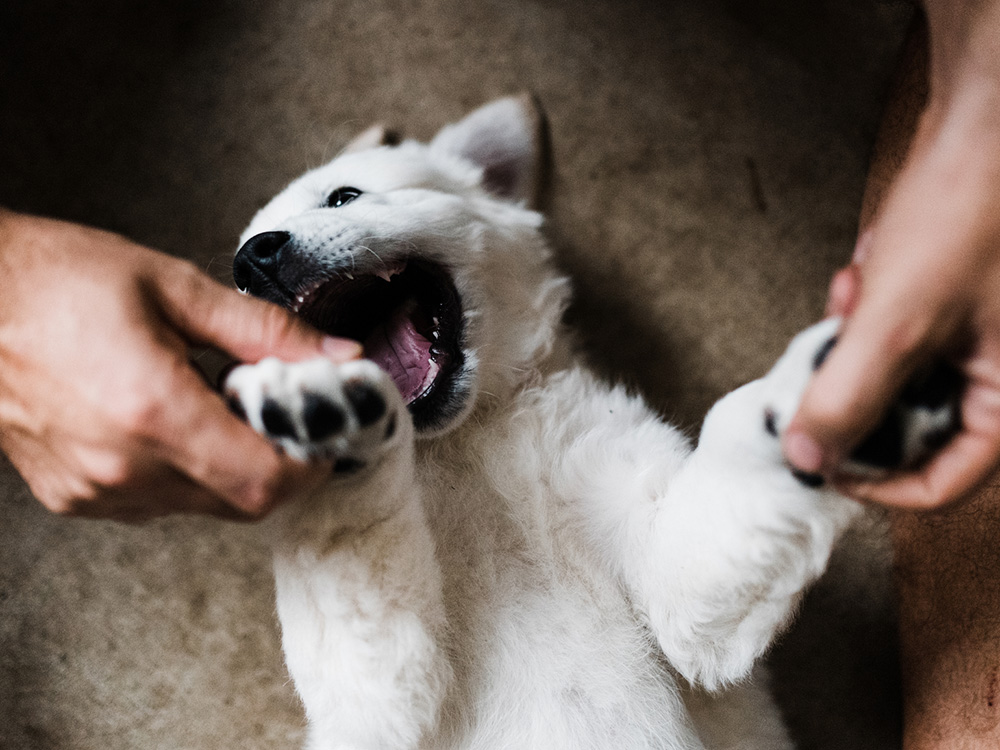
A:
(249, 329)
(848, 395)
(899, 318)
(909, 301)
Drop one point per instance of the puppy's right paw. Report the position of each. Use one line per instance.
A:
(351, 413)
(924, 417)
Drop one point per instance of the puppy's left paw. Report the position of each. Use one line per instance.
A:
(315, 410)
(924, 417)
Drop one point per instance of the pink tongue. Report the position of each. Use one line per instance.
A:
(397, 348)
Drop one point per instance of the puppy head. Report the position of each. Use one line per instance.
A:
(426, 253)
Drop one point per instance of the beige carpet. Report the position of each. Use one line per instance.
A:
(709, 162)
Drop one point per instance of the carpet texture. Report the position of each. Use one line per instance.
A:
(709, 159)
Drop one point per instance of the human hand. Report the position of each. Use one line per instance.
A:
(101, 411)
(926, 282)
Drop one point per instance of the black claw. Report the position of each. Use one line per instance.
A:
(937, 439)
(367, 402)
(348, 466)
(824, 351)
(770, 424)
(276, 421)
(322, 418)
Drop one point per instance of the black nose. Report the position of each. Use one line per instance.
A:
(256, 262)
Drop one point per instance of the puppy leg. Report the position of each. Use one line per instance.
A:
(358, 584)
(738, 538)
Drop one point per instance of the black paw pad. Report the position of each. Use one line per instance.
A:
(883, 447)
(902, 440)
(276, 421)
(367, 402)
(925, 417)
(322, 418)
(348, 466)
(934, 388)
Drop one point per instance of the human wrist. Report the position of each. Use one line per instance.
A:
(963, 49)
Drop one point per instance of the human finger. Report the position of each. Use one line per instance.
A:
(848, 395)
(949, 476)
(918, 267)
(957, 468)
(167, 496)
(190, 428)
(247, 328)
(237, 464)
(141, 493)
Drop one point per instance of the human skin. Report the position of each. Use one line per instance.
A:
(927, 279)
(101, 411)
(947, 561)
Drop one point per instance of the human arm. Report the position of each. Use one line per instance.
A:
(927, 279)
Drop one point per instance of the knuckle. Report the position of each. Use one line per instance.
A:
(257, 501)
(267, 491)
(142, 407)
(259, 497)
(64, 495)
(76, 504)
(98, 472)
(139, 414)
(111, 472)
(63, 506)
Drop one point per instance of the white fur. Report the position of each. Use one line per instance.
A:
(560, 568)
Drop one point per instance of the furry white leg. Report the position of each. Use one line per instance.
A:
(734, 544)
(358, 584)
(717, 545)
(363, 624)
(736, 539)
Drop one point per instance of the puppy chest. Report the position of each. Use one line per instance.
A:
(537, 627)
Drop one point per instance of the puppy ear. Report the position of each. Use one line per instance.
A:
(373, 137)
(508, 138)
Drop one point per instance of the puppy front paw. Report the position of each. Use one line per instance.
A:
(315, 410)
(924, 417)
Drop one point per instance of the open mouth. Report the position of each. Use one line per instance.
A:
(408, 318)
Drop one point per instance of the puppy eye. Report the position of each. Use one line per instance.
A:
(342, 196)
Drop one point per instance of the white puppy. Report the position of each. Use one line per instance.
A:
(510, 553)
